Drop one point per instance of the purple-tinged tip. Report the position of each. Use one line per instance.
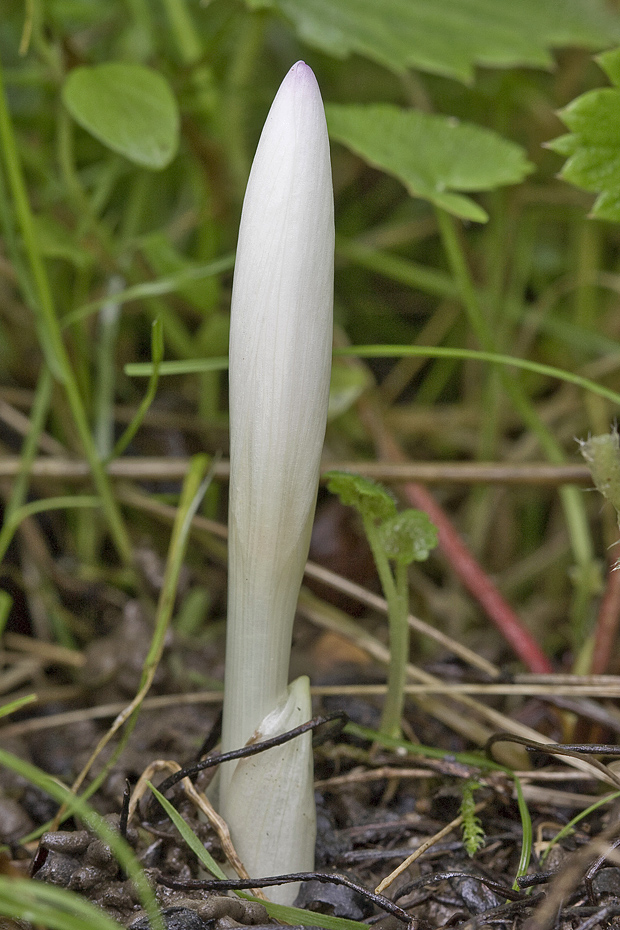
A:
(301, 73)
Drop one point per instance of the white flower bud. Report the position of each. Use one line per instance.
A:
(280, 358)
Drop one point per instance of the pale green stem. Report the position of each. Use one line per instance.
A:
(157, 354)
(396, 595)
(399, 655)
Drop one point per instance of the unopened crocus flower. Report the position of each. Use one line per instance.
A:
(280, 357)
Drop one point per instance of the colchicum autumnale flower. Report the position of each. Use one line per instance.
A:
(280, 358)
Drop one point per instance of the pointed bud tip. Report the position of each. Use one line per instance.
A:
(302, 72)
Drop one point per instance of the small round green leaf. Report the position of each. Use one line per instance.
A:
(370, 499)
(130, 108)
(408, 537)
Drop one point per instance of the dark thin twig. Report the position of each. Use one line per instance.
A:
(540, 878)
(253, 748)
(567, 879)
(599, 918)
(601, 749)
(325, 877)
(504, 890)
(502, 913)
(559, 749)
(597, 865)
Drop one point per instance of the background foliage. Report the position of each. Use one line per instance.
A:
(477, 183)
(127, 132)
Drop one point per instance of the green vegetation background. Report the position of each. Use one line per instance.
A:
(476, 157)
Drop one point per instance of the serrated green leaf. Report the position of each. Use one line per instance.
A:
(370, 499)
(433, 156)
(129, 108)
(593, 145)
(451, 37)
(408, 537)
(607, 206)
(610, 63)
(564, 145)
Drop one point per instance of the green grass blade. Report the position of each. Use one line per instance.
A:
(526, 839)
(568, 827)
(467, 758)
(157, 354)
(49, 906)
(159, 288)
(184, 366)
(199, 365)
(12, 706)
(495, 358)
(49, 503)
(203, 855)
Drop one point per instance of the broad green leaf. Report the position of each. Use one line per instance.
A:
(370, 499)
(592, 147)
(407, 537)
(450, 37)
(433, 156)
(128, 107)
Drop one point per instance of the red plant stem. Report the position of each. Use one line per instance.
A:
(478, 582)
(607, 622)
(461, 560)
